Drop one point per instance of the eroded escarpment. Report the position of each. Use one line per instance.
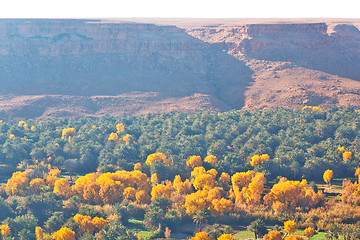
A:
(54, 68)
(294, 63)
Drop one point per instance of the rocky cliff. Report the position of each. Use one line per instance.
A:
(92, 67)
(294, 63)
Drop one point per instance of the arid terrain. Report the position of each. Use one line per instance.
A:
(56, 68)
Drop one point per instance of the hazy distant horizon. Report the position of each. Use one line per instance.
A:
(179, 9)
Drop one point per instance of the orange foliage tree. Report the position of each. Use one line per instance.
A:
(39, 233)
(259, 159)
(5, 231)
(273, 235)
(17, 184)
(201, 236)
(36, 185)
(211, 159)
(287, 195)
(68, 133)
(328, 175)
(347, 156)
(194, 161)
(160, 157)
(64, 234)
(62, 189)
(226, 237)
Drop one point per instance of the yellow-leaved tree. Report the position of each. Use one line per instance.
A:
(211, 159)
(17, 184)
(309, 232)
(62, 189)
(201, 236)
(64, 234)
(36, 185)
(273, 235)
(194, 161)
(259, 159)
(159, 157)
(226, 237)
(290, 226)
(39, 233)
(68, 133)
(120, 128)
(347, 156)
(5, 231)
(328, 175)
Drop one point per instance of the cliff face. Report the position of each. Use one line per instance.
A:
(212, 67)
(293, 64)
(332, 49)
(78, 57)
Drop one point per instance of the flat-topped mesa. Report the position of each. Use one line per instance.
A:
(64, 37)
(93, 57)
(286, 28)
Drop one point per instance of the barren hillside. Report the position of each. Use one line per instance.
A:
(53, 68)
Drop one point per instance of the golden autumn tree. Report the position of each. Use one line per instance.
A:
(273, 235)
(154, 178)
(201, 200)
(142, 197)
(167, 232)
(17, 184)
(120, 128)
(252, 193)
(204, 182)
(182, 187)
(347, 156)
(64, 234)
(36, 185)
(309, 232)
(159, 157)
(126, 138)
(221, 206)
(99, 223)
(357, 174)
(113, 137)
(259, 159)
(137, 166)
(130, 193)
(85, 223)
(5, 231)
(201, 236)
(12, 136)
(289, 195)
(197, 172)
(39, 233)
(68, 133)
(161, 190)
(52, 177)
(62, 189)
(211, 159)
(328, 175)
(290, 226)
(194, 161)
(225, 237)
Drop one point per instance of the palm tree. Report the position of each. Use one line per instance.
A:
(258, 228)
(201, 218)
(333, 232)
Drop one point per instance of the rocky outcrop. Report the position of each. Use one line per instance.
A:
(313, 45)
(87, 58)
(53, 68)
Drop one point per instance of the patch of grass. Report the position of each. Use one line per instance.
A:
(319, 236)
(243, 235)
(138, 226)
